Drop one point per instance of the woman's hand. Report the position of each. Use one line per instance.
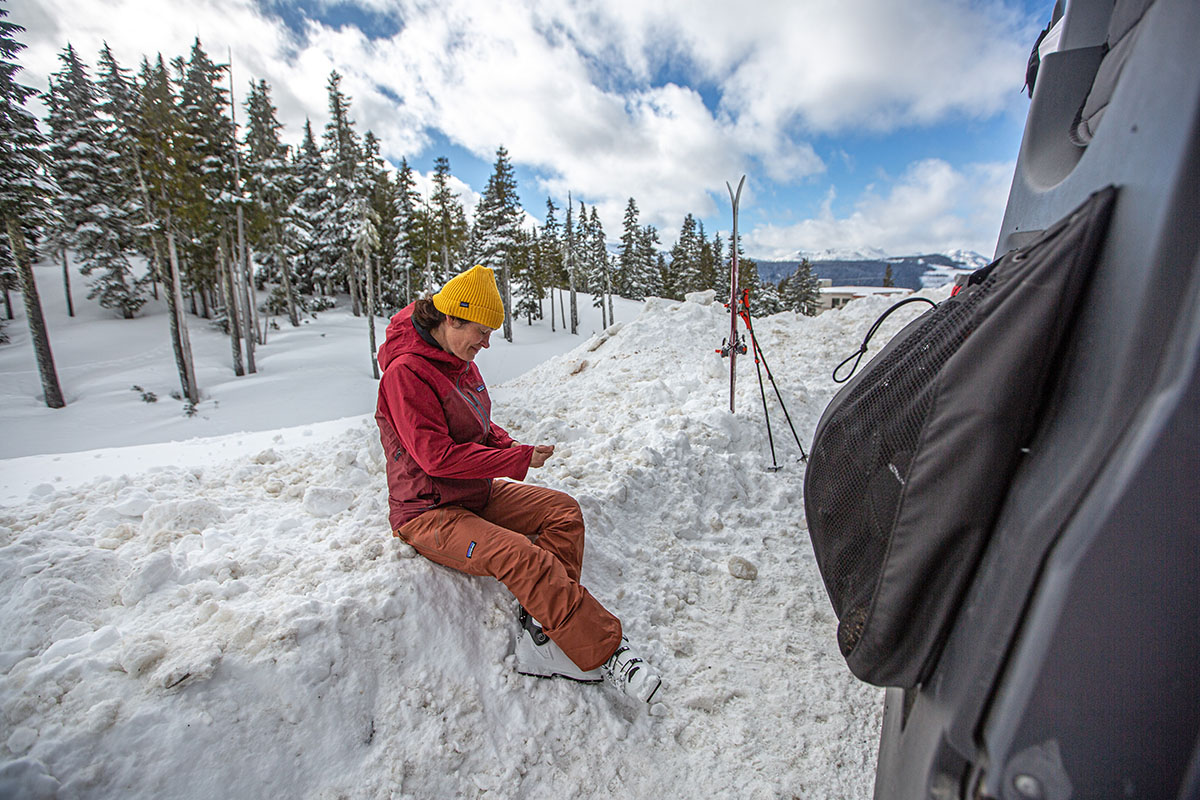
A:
(541, 452)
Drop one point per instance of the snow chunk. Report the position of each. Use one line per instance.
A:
(325, 501)
(138, 655)
(188, 665)
(22, 739)
(133, 502)
(181, 515)
(704, 298)
(157, 570)
(741, 568)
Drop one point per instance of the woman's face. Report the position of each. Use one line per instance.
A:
(465, 339)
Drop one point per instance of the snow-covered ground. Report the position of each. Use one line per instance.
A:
(198, 617)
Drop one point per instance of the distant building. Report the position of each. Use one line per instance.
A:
(838, 296)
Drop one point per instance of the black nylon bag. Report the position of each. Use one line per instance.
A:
(913, 457)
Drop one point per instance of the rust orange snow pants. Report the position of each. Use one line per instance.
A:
(530, 538)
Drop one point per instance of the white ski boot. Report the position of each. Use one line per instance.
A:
(540, 657)
(631, 675)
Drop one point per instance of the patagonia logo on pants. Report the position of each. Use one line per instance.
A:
(470, 549)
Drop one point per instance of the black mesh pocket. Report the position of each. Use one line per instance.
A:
(866, 464)
(911, 459)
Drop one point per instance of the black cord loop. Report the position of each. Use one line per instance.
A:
(857, 356)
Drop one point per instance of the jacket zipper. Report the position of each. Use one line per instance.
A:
(472, 402)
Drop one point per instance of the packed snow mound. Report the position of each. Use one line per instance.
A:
(194, 631)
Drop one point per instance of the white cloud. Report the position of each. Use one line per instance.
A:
(581, 92)
(931, 207)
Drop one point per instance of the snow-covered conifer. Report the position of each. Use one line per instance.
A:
(801, 291)
(342, 153)
(94, 215)
(496, 235)
(24, 192)
(447, 224)
(303, 218)
(270, 182)
(404, 286)
(686, 273)
(649, 263)
(171, 189)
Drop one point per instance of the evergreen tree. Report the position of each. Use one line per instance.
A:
(447, 225)
(24, 192)
(171, 187)
(92, 203)
(707, 261)
(496, 237)
(302, 223)
(403, 286)
(721, 270)
(382, 197)
(569, 264)
(626, 281)
(118, 109)
(685, 260)
(888, 281)
(204, 104)
(801, 291)
(271, 184)
(650, 264)
(550, 247)
(529, 276)
(599, 268)
(342, 152)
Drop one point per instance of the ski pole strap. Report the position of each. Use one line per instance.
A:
(858, 354)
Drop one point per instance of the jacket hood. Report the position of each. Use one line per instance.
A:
(402, 337)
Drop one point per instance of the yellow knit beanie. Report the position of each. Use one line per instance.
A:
(472, 295)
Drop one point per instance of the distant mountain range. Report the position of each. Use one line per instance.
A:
(860, 268)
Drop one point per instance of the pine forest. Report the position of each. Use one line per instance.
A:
(151, 182)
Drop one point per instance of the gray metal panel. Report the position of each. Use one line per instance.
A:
(979, 713)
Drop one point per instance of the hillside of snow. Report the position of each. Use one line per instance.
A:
(242, 623)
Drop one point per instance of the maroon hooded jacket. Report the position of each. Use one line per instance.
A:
(434, 417)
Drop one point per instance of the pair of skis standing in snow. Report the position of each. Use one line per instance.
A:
(443, 454)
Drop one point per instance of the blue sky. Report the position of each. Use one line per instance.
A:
(860, 124)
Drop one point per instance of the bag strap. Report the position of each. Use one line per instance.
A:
(857, 356)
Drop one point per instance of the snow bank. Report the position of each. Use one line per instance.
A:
(238, 628)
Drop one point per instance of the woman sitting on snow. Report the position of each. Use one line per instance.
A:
(443, 452)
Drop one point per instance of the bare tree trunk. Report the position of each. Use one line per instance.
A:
(67, 282)
(285, 275)
(508, 335)
(52, 392)
(371, 317)
(179, 332)
(8, 303)
(229, 295)
(562, 311)
(242, 258)
(574, 302)
(249, 319)
(352, 276)
(608, 288)
(552, 309)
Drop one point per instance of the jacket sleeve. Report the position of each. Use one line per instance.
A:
(499, 437)
(420, 424)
